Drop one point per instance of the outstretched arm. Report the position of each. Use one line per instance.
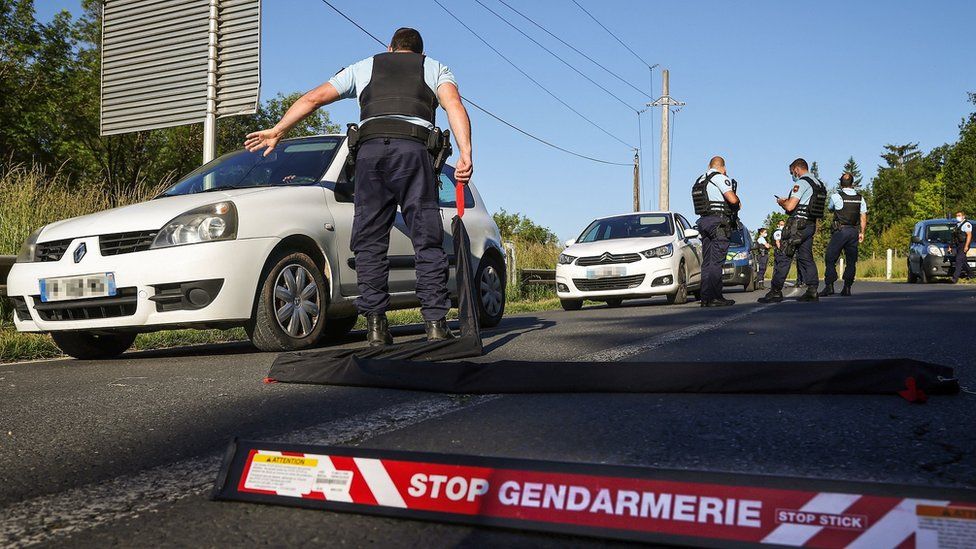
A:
(306, 105)
(457, 115)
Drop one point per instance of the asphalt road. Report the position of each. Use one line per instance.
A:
(124, 452)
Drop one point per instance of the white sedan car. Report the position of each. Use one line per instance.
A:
(245, 240)
(630, 256)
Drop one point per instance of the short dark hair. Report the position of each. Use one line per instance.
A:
(799, 163)
(406, 38)
(961, 212)
(847, 180)
(761, 229)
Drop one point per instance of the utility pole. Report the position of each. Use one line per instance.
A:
(665, 102)
(210, 121)
(637, 207)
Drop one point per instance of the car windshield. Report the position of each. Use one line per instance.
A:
(298, 162)
(939, 233)
(738, 238)
(628, 226)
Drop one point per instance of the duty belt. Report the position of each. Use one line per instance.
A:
(393, 128)
(438, 142)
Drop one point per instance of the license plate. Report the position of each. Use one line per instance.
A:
(604, 272)
(78, 287)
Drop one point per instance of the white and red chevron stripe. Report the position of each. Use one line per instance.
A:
(711, 512)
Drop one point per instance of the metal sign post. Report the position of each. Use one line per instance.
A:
(210, 121)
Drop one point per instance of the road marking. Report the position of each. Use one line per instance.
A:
(626, 351)
(53, 516)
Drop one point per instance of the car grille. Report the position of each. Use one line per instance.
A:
(608, 283)
(126, 243)
(51, 251)
(607, 259)
(122, 304)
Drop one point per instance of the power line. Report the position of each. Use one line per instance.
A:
(612, 34)
(527, 75)
(484, 110)
(574, 48)
(552, 53)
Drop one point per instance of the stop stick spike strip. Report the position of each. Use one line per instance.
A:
(694, 508)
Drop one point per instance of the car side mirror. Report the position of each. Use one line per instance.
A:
(570, 242)
(916, 240)
(691, 233)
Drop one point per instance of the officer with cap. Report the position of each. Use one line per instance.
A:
(715, 200)
(762, 256)
(850, 221)
(398, 92)
(962, 238)
(805, 205)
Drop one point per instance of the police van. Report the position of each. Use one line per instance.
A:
(928, 257)
(741, 267)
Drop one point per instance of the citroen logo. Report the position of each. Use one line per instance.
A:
(80, 252)
(606, 256)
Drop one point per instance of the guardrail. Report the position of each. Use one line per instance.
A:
(6, 261)
(538, 277)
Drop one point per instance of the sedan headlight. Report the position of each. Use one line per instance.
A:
(29, 246)
(660, 251)
(739, 256)
(935, 250)
(565, 259)
(207, 224)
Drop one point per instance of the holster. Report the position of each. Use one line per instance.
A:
(352, 141)
(438, 142)
(793, 235)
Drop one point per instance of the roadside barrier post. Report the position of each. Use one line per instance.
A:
(888, 265)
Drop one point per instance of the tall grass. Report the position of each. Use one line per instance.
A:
(31, 198)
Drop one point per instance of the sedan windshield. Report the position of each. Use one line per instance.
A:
(296, 162)
(628, 226)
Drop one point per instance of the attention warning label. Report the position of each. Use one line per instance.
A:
(608, 501)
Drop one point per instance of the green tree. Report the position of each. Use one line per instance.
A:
(515, 226)
(852, 168)
(960, 166)
(929, 199)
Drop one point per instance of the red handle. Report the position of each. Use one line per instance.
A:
(459, 198)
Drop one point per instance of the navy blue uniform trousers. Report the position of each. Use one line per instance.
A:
(715, 246)
(391, 172)
(805, 265)
(843, 239)
(962, 264)
(763, 260)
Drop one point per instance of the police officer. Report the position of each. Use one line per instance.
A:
(398, 94)
(762, 257)
(850, 221)
(805, 205)
(715, 200)
(962, 237)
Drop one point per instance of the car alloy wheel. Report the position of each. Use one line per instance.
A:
(490, 290)
(296, 301)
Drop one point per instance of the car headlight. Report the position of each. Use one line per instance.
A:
(660, 251)
(739, 256)
(565, 259)
(207, 224)
(935, 250)
(27, 249)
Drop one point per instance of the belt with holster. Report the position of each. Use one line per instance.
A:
(438, 142)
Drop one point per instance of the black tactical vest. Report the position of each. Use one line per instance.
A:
(958, 236)
(850, 213)
(397, 87)
(818, 200)
(704, 206)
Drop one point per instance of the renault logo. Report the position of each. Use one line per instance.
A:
(80, 252)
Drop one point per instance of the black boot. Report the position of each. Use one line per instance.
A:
(378, 330)
(774, 296)
(438, 330)
(828, 290)
(810, 295)
(847, 290)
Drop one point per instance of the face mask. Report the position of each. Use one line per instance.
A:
(959, 219)
(795, 178)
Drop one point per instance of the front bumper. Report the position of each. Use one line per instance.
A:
(935, 265)
(237, 262)
(644, 278)
(735, 273)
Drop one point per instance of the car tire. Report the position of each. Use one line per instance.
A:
(277, 327)
(680, 296)
(922, 277)
(490, 286)
(571, 304)
(912, 277)
(89, 346)
(338, 328)
(614, 303)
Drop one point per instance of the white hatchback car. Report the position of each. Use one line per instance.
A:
(245, 240)
(630, 256)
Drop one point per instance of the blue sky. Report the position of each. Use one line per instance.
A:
(764, 82)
